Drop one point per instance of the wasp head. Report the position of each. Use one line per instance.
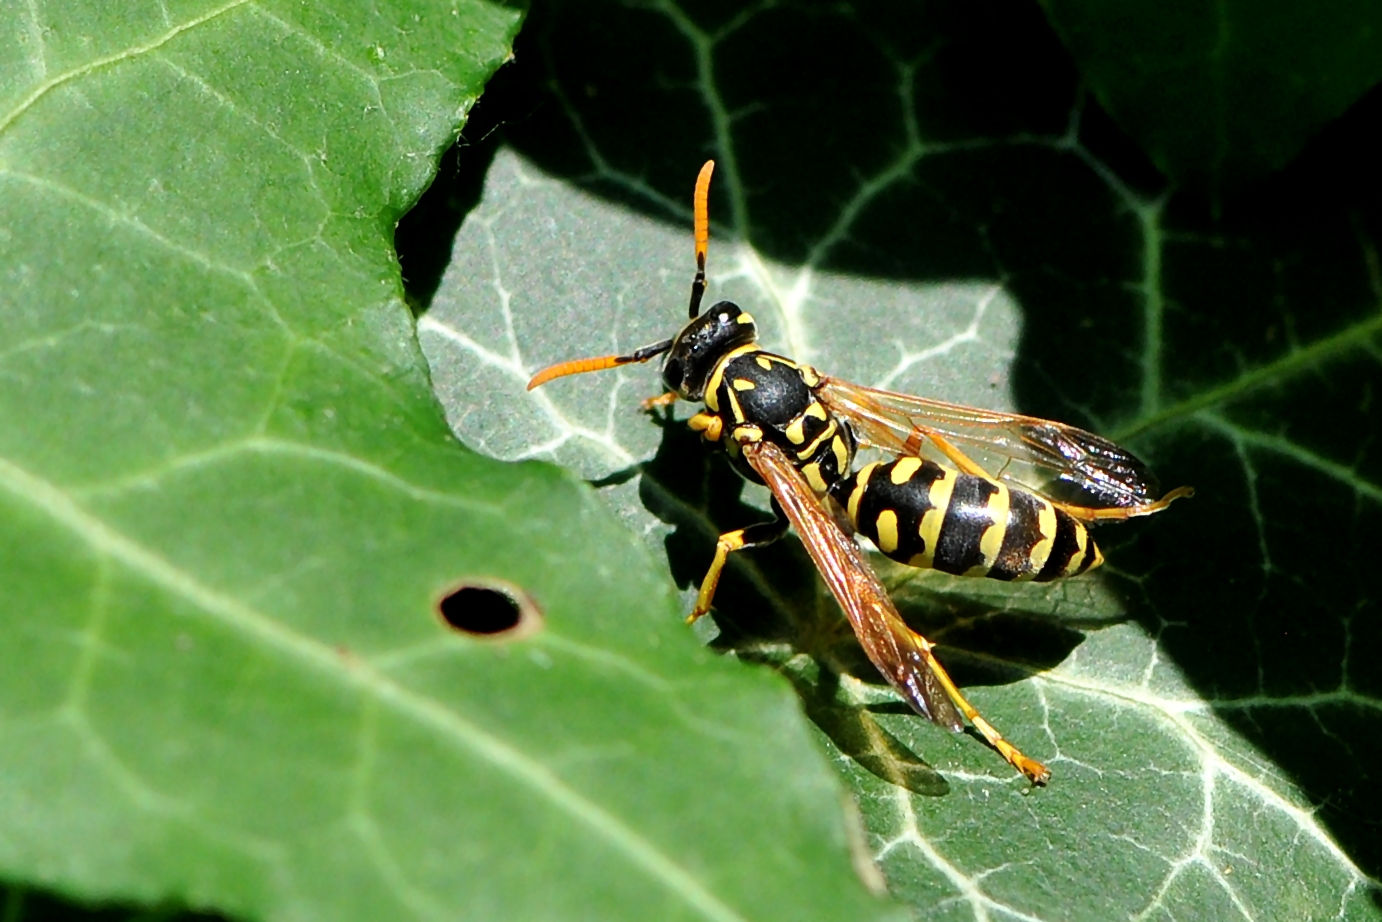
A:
(700, 345)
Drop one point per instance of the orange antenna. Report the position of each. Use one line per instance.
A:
(581, 366)
(701, 207)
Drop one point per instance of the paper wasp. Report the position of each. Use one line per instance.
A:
(783, 424)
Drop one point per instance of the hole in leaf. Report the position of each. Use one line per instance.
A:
(491, 609)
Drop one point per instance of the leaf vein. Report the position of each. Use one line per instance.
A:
(270, 445)
(329, 54)
(28, 102)
(126, 220)
(1285, 447)
(1175, 712)
(1357, 335)
(240, 112)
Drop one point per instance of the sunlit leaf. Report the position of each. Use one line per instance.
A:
(229, 506)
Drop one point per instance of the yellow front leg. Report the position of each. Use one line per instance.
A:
(661, 400)
(708, 425)
(753, 536)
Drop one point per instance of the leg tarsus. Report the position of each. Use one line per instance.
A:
(1031, 768)
(709, 425)
(1119, 513)
(649, 404)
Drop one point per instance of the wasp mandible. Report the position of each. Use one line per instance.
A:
(932, 505)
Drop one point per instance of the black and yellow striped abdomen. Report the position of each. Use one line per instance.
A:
(925, 515)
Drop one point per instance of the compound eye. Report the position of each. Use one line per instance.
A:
(673, 374)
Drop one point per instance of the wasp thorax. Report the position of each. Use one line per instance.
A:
(701, 344)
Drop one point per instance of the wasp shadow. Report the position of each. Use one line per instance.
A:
(20, 903)
(855, 732)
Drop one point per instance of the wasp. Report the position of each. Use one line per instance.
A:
(930, 505)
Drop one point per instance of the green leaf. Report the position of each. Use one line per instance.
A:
(923, 199)
(1220, 95)
(229, 506)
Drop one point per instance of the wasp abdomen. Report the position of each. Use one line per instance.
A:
(925, 515)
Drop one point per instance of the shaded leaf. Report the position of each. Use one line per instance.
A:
(1221, 95)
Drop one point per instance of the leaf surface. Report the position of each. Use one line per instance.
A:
(229, 506)
(941, 210)
(1220, 95)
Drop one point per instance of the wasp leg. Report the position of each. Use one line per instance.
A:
(1034, 770)
(708, 425)
(752, 536)
(661, 400)
(1119, 513)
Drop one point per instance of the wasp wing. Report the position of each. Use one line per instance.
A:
(1035, 453)
(901, 655)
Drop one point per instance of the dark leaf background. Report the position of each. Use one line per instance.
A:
(927, 198)
(1219, 95)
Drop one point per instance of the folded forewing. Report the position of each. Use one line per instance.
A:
(901, 655)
